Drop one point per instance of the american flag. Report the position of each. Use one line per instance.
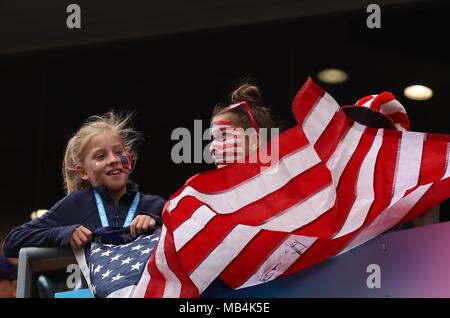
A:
(336, 185)
(126, 163)
(114, 263)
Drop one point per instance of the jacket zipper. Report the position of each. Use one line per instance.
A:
(116, 210)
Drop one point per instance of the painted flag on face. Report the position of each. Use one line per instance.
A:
(126, 163)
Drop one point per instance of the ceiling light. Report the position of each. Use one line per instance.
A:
(37, 214)
(418, 92)
(332, 76)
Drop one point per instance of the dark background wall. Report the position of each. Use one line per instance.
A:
(173, 70)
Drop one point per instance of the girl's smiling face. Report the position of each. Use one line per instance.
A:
(101, 164)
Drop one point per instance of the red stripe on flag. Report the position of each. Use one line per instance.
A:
(317, 252)
(399, 118)
(434, 160)
(157, 284)
(188, 289)
(305, 100)
(364, 100)
(383, 184)
(155, 288)
(346, 189)
(385, 169)
(186, 206)
(251, 257)
(438, 192)
(202, 244)
(333, 134)
(382, 98)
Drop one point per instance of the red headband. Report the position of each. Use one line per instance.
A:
(249, 113)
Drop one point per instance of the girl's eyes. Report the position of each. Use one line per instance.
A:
(222, 136)
(102, 156)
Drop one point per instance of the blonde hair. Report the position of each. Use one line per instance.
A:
(94, 125)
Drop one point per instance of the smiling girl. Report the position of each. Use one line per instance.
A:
(96, 167)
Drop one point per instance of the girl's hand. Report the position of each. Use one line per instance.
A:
(80, 237)
(142, 224)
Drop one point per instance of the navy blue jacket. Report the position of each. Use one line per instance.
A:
(55, 227)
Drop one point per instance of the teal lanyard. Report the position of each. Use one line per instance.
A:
(102, 212)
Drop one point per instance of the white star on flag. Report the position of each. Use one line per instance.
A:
(146, 251)
(136, 266)
(115, 258)
(137, 247)
(117, 277)
(106, 274)
(127, 261)
(96, 250)
(106, 253)
(98, 268)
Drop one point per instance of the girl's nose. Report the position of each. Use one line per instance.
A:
(113, 159)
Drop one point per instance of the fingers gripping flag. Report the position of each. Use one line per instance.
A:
(335, 185)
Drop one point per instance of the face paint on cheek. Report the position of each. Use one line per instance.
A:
(126, 165)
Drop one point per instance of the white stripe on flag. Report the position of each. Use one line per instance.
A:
(344, 151)
(256, 188)
(192, 226)
(142, 285)
(222, 255)
(81, 260)
(281, 259)
(318, 119)
(392, 107)
(369, 102)
(365, 192)
(173, 285)
(447, 171)
(126, 292)
(304, 212)
(388, 218)
(408, 164)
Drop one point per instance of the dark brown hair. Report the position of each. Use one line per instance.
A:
(252, 95)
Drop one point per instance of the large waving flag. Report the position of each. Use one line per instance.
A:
(335, 185)
(382, 177)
